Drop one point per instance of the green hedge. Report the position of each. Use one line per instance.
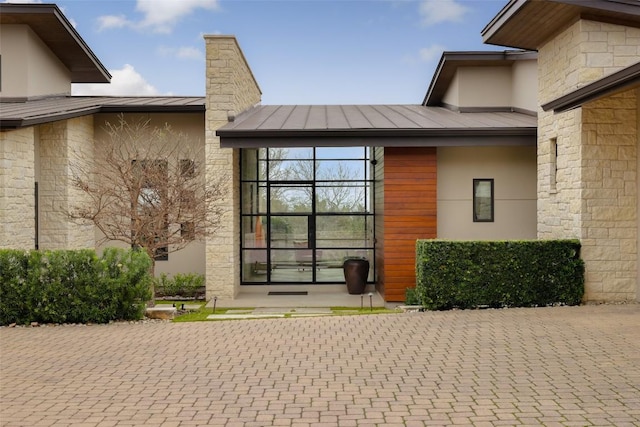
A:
(180, 285)
(73, 286)
(458, 274)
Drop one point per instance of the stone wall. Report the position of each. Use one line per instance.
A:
(17, 193)
(59, 143)
(588, 190)
(230, 89)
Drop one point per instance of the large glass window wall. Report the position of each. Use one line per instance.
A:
(304, 211)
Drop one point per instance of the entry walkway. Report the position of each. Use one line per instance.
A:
(563, 366)
(293, 296)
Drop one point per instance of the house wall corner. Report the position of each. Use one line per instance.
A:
(588, 157)
(230, 89)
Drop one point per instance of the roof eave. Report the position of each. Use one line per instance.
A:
(617, 82)
(92, 71)
(417, 132)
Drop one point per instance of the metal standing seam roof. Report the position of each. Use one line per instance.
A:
(33, 112)
(371, 121)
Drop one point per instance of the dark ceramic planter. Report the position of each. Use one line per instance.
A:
(356, 271)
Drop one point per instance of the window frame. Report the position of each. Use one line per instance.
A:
(478, 216)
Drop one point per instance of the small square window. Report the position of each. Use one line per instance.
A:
(483, 200)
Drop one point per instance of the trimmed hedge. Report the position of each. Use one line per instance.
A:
(460, 274)
(73, 286)
(180, 285)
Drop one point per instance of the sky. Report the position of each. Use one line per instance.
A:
(300, 51)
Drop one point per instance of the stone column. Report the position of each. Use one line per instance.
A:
(60, 143)
(589, 189)
(17, 194)
(230, 89)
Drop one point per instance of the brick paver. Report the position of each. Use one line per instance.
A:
(567, 366)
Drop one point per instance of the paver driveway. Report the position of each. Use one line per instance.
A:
(548, 366)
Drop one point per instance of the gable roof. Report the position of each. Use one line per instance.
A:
(50, 24)
(624, 79)
(527, 24)
(451, 61)
(20, 114)
(374, 125)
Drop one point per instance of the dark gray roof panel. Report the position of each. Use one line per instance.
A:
(375, 125)
(352, 118)
(33, 112)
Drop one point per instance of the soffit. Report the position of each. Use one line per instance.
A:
(51, 26)
(335, 125)
(20, 114)
(528, 24)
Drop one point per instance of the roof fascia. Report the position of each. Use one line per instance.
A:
(367, 133)
(616, 82)
(584, 9)
(16, 123)
(528, 139)
(505, 14)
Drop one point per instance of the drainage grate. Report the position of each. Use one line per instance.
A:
(288, 293)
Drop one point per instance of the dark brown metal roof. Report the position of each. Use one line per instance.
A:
(527, 24)
(617, 82)
(371, 125)
(451, 61)
(29, 113)
(48, 22)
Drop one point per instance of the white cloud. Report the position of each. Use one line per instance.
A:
(159, 16)
(436, 11)
(111, 21)
(430, 53)
(124, 82)
(185, 52)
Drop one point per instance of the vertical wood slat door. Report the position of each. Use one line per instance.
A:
(410, 213)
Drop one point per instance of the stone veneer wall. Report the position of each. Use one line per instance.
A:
(595, 194)
(230, 89)
(17, 194)
(59, 143)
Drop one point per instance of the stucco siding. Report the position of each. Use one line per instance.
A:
(29, 68)
(190, 126)
(513, 170)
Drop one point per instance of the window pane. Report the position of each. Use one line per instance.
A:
(289, 231)
(340, 170)
(290, 198)
(291, 153)
(254, 265)
(291, 170)
(341, 197)
(344, 231)
(254, 198)
(340, 152)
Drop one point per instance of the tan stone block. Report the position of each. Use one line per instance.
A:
(621, 285)
(601, 253)
(590, 75)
